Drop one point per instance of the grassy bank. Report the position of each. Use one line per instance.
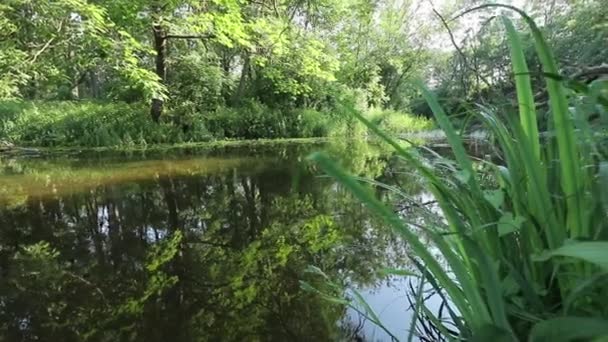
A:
(128, 126)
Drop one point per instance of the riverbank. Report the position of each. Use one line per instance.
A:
(199, 146)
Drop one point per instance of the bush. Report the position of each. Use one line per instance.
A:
(119, 124)
(310, 123)
(394, 122)
(253, 120)
(196, 82)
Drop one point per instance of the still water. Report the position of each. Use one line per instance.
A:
(188, 245)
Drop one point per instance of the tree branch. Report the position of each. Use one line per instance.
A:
(592, 72)
(452, 39)
(47, 44)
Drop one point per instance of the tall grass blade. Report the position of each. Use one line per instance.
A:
(492, 287)
(453, 138)
(417, 309)
(571, 180)
(473, 307)
(523, 84)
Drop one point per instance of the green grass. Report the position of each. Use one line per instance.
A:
(523, 256)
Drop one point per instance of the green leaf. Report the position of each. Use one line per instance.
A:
(329, 297)
(454, 139)
(495, 197)
(463, 176)
(491, 333)
(315, 270)
(369, 313)
(571, 180)
(509, 224)
(491, 283)
(568, 329)
(595, 252)
(472, 308)
(603, 181)
(363, 303)
(525, 97)
(417, 309)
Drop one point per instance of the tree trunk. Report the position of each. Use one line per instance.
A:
(238, 94)
(94, 84)
(160, 46)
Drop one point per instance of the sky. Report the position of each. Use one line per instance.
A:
(447, 8)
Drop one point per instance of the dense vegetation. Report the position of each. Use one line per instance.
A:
(519, 239)
(196, 70)
(259, 69)
(524, 237)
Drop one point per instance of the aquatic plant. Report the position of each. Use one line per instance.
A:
(525, 257)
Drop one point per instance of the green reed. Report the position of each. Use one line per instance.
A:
(526, 258)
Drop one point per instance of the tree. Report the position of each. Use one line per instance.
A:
(50, 47)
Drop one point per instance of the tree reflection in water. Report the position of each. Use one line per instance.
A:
(211, 247)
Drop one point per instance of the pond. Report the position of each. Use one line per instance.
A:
(196, 245)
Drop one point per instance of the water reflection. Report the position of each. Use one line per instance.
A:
(186, 247)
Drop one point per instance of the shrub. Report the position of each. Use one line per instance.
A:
(253, 120)
(309, 123)
(196, 82)
(394, 122)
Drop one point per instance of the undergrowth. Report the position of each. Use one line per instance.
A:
(94, 124)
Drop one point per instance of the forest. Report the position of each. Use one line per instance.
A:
(332, 170)
(132, 73)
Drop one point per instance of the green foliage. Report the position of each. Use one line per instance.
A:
(253, 120)
(299, 59)
(197, 83)
(395, 123)
(91, 124)
(480, 70)
(515, 271)
(83, 124)
(49, 47)
(300, 71)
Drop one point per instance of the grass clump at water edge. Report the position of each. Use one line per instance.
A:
(527, 257)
